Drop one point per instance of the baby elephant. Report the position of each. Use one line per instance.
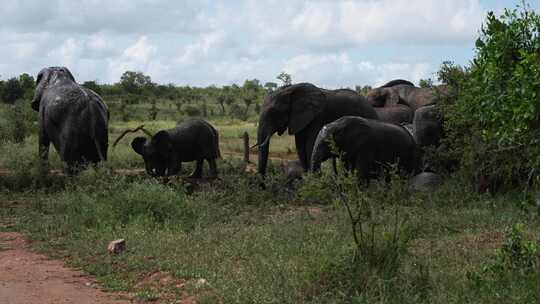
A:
(366, 144)
(194, 139)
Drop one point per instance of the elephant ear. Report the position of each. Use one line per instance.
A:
(41, 82)
(162, 142)
(138, 144)
(307, 101)
(68, 72)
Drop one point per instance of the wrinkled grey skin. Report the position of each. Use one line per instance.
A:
(397, 114)
(425, 181)
(366, 145)
(303, 109)
(411, 96)
(192, 140)
(72, 117)
(428, 126)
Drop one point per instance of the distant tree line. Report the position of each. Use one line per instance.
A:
(135, 87)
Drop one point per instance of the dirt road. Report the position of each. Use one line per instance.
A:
(30, 278)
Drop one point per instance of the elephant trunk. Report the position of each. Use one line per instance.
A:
(263, 141)
(321, 150)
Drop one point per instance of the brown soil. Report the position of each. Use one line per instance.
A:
(28, 278)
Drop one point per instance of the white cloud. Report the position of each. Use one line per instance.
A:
(196, 51)
(198, 42)
(339, 70)
(140, 56)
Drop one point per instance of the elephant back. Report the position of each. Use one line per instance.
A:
(397, 114)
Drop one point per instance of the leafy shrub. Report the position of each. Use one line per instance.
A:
(238, 112)
(515, 270)
(20, 121)
(379, 233)
(192, 111)
(492, 114)
(98, 200)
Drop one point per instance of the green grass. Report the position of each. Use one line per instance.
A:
(228, 241)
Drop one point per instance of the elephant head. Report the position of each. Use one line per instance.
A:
(292, 107)
(46, 78)
(156, 152)
(381, 97)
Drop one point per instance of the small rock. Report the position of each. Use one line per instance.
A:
(426, 181)
(200, 283)
(117, 246)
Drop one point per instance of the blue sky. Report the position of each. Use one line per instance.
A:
(332, 43)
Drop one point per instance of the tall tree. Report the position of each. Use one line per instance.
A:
(135, 82)
(285, 78)
(92, 85)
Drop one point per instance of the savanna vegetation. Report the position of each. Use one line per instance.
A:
(324, 239)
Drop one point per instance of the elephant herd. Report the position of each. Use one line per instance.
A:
(391, 125)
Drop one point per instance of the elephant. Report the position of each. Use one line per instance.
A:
(304, 109)
(427, 126)
(396, 82)
(74, 118)
(192, 140)
(425, 181)
(406, 94)
(397, 114)
(364, 145)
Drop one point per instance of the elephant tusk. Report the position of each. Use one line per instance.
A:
(264, 143)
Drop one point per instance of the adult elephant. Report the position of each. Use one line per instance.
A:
(304, 109)
(366, 145)
(72, 117)
(412, 96)
(397, 114)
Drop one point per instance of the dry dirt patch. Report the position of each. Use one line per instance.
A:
(27, 278)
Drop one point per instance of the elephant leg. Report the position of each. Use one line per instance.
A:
(361, 167)
(198, 169)
(334, 165)
(309, 145)
(301, 151)
(213, 167)
(43, 147)
(174, 169)
(305, 141)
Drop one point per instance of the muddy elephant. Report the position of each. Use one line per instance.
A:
(192, 140)
(74, 118)
(397, 114)
(303, 109)
(412, 96)
(365, 145)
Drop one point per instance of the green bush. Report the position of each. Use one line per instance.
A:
(514, 272)
(191, 111)
(97, 200)
(493, 109)
(19, 122)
